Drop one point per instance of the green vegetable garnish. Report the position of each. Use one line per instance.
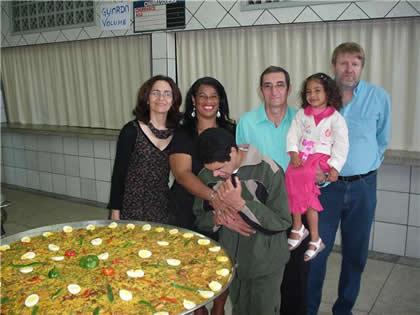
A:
(89, 262)
(180, 286)
(53, 273)
(148, 304)
(35, 310)
(35, 263)
(56, 294)
(109, 293)
(96, 311)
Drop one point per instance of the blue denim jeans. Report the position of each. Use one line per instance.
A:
(352, 205)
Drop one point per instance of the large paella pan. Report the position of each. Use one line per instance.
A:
(105, 267)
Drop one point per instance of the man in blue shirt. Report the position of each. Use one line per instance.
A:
(266, 128)
(351, 201)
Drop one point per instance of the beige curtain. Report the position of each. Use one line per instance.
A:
(91, 83)
(237, 57)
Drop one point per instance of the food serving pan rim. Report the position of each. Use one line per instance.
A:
(7, 240)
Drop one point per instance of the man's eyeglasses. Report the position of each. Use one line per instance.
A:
(158, 94)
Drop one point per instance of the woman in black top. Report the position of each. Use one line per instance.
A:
(139, 185)
(206, 106)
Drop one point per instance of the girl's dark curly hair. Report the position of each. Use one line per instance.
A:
(330, 87)
(142, 109)
(224, 121)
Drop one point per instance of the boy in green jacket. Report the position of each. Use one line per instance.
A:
(253, 221)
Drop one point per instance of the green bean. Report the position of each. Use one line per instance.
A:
(180, 286)
(109, 293)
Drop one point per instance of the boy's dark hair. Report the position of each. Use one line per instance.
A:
(330, 87)
(214, 145)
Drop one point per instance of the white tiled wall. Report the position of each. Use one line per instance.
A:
(70, 166)
(80, 167)
(396, 228)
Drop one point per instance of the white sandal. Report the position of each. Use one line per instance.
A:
(294, 243)
(312, 253)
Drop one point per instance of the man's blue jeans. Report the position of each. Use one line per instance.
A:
(353, 204)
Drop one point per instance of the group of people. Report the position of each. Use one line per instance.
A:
(273, 188)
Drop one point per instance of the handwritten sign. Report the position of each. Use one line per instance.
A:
(115, 16)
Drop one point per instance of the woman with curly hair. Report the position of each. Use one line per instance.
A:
(317, 139)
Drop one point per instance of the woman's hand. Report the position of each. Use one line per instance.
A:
(115, 214)
(234, 222)
(231, 195)
(295, 160)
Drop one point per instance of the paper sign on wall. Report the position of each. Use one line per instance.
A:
(115, 16)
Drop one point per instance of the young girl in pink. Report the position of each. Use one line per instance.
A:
(317, 141)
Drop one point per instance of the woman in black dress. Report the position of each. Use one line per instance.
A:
(139, 185)
(206, 106)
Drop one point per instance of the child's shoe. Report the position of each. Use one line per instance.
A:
(312, 253)
(294, 243)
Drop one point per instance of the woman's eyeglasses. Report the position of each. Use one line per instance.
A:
(158, 94)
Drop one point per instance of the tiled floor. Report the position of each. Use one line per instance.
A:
(391, 284)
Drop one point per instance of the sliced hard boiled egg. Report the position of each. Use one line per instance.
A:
(214, 249)
(57, 258)
(126, 295)
(26, 269)
(113, 225)
(215, 286)
(28, 255)
(138, 273)
(146, 227)
(90, 227)
(159, 229)
(130, 226)
(173, 231)
(206, 294)
(4, 247)
(188, 235)
(161, 313)
(103, 256)
(222, 259)
(223, 272)
(32, 300)
(173, 262)
(203, 241)
(25, 239)
(74, 288)
(53, 247)
(163, 243)
(47, 234)
(96, 241)
(144, 253)
(67, 229)
(188, 304)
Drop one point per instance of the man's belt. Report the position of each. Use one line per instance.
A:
(354, 177)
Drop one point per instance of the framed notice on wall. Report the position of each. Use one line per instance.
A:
(157, 15)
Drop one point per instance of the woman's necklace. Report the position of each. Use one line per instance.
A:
(161, 134)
